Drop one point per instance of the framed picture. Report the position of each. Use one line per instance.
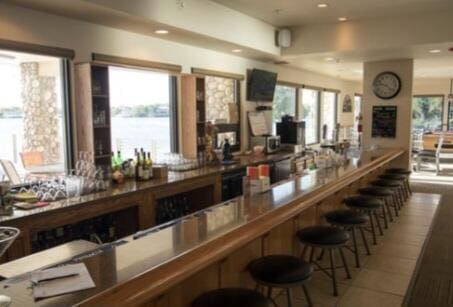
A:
(347, 104)
(384, 122)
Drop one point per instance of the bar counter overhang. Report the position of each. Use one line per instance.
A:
(151, 263)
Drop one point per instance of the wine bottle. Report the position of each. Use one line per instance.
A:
(138, 169)
(150, 165)
(145, 167)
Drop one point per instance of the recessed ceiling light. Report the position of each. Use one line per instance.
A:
(236, 50)
(342, 19)
(435, 51)
(322, 5)
(161, 31)
(329, 59)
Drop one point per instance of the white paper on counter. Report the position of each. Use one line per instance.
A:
(68, 278)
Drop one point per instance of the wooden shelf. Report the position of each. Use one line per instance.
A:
(105, 96)
(101, 126)
(102, 156)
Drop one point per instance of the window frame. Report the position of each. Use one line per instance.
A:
(442, 120)
(335, 107)
(318, 102)
(65, 57)
(296, 106)
(173, 100)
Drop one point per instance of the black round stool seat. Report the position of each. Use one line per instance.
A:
(376, 191)
(390, 176)
(323, 235)
(280, 269)
(228, 297)
(363, 202)
(346, 217)
(387, 183)
(401, 171)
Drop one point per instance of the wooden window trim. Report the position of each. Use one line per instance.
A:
(135, 63)
(216, 73)
(36, 49)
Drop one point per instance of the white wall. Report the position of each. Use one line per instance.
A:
(35, 27)
(404, 69)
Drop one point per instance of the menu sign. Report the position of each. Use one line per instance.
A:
(384, 122)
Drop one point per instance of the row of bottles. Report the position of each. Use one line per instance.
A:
(140, 168)
(101, 229)
(171, 208)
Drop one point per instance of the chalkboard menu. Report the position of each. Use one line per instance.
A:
(384, 122)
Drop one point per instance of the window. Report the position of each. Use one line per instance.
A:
(450, 115)
(310, 114)
(427, 113)
(142, 108)
(329, 113)
(357, 109)
(33, 113)
(285, 101)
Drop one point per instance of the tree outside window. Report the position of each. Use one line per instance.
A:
(427, 113)
(284, 103)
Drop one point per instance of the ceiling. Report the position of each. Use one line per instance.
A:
(349, 65)
(283, 13)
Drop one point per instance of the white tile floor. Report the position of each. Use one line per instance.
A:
(384, 277)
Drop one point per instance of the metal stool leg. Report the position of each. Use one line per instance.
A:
(365, 241)
(346, 267)
(288, 296)
(307, 296)
(373, 229)
(378, 222)
(332, 268)
(384, 215)
(387, 205)
(356, 249)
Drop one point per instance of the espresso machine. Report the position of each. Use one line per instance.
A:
(292, 134)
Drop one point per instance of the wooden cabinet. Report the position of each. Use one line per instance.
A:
(193, 115)
(93, 112)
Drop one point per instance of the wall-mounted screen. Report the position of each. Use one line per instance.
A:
(261, 85)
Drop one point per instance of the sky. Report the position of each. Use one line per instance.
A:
(132, 87)
(9, 85)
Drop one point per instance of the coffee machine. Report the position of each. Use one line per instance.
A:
(292, 134)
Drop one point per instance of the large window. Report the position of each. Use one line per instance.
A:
(329, 112)
(285, 101)
(357, 109)
(450, 115)
(310, 114)
(142, 107)
(427, 113)
(33, 108)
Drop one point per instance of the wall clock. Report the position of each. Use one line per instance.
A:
(386, 85)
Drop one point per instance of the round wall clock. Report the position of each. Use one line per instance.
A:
(386, 85)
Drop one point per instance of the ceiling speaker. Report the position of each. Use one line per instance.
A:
(283, 38)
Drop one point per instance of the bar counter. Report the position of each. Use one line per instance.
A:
(135, 201)
(171, 264)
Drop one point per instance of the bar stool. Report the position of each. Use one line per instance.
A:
(281, 271)
(401, 178)
(397, 187)
(351, 221)
(369, 205)
(326, 238)
(404, 172)
(382, 193)
(227, 297)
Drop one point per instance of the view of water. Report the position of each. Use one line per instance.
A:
(151, 133)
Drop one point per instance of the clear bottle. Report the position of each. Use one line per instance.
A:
(149, 161)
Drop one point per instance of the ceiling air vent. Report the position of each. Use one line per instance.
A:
(281, 62)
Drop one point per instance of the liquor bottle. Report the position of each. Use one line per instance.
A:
(138, 169)
(145, 167)
(114, 162)
(149, 161)
(119, 160)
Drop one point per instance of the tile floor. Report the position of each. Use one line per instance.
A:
(384, 276)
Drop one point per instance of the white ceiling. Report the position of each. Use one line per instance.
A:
(301, 12)
(349, 65)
